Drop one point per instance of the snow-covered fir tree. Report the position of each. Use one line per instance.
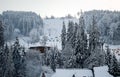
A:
(81, 43)
(2, 53)
(78, 47)
(108, 56)
(74, 39)
(18, 60)
(114, 68)
(1, 35)
(5, 60)
(53, 59)
(94, 36)
(63, 35)
(97, 55)
(69, 58)
(6, 63)
(70, 31)
(116, 34)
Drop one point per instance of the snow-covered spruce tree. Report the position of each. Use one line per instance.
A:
(84, 49)
(116, 34)
(70, 31)
(108, 56)
(97, 55)
(74, 39)
(34, 35)
(63, 36)
(81, 44)
(7, 63)
(1, 35)
(69, 58)
(94, 35)
(2, 50)
(78, 47)
(59, 59)
(114, 68)
(10, 64)
(18, 60)
(53, 59)
(33, 63)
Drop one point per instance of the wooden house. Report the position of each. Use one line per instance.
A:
(41, 49)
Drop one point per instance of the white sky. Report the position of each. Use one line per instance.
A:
(58, 8)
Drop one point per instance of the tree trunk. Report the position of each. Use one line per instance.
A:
(93, 72)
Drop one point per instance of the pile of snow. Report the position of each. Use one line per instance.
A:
(102, 72)
(71, 72)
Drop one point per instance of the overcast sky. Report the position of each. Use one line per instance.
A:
(58, 8)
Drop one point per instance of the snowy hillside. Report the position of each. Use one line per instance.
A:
(52, 29)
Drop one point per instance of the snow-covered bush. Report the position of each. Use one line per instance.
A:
(34, 35)
(33, 63)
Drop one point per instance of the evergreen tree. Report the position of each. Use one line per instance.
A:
(5, 61)
(84, 38)
(69, 58)
(53, 58)
(59, 60)
(74, 39)
(116, 34)
(93, 36)
(70, 31)
(114, 67)
(10, 64)
(17, 60)
(81, 43)
(2, 57)
(2, 67)
(108, 56)
(96, 55)
(63, 36)
(1, 35)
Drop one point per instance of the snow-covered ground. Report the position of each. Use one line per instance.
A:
(102, 71)
(71, 72)
(99, 72)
